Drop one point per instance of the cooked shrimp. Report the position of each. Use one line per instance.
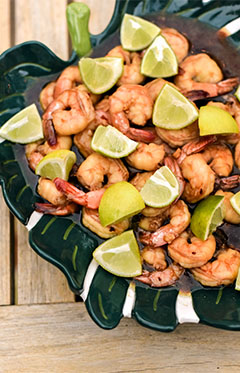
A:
(131, 103)
(200, 178)
(220, 159)
(146, 157)
(230, 215)
(155, 86)
(91, 199)
(199, 72)
(96, 167)
(68, 79)
(70, 113)
(154, 257)
(37, 150)
(132, 66)
(46, 95)
(90, 220)
(58, 202)
(222, 271)
(179, 221)
(194, 253)
(153, 222)
(180, 137)
(177, 41)
(166, 277)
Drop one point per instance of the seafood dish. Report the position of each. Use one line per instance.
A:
(172, 256)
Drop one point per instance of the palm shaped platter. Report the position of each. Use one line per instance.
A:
(63, 241)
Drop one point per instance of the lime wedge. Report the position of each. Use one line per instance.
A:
(172, 110)
(112, 143)
(120, 201)
(161, 189)
(207, 216)
(235, 202)
(237, 93)
(24, 127)
(56, 164)
(137, 33)
(120, 255)
(214, 120)
(100, 74)
(159, 61)
(237, 284)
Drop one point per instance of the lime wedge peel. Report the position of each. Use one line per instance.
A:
(137, 33)
(161, 189)
(112, 143)
(207, 216)
(214, 120)
(56, 164)
(100, 74)
(120, 255)
(159, 60)
(24, 127)
(237, 284)
(237, 93)
(235, 202)
(172, 110)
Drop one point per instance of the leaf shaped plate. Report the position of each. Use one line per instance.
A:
(63, 241)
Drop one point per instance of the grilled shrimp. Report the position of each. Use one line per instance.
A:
(222, 271)
(96, 167)
(146, 157)
(194, 253)
(177, 41)
(166, 277)
(199, 73)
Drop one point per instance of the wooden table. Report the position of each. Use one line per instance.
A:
(42, 327)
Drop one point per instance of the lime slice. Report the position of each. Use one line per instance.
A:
(172, 110)
(137, 33)
(100, 74)
(24, 127)
(237, 93)
(214, 120)
(207, 216)
(159, 61)
(120, 255)
(237, 284)
(120, 201)
(112, 143)
(161, 189)
(235, 202)
(56, 164)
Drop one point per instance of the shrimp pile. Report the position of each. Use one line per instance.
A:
(202, 165)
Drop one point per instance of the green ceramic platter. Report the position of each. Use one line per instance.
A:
(63, 241)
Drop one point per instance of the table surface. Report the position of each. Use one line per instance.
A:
(43, 328)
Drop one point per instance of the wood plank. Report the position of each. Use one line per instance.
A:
(36, 281)
(5, 32)
(62, 338)
(5, 270)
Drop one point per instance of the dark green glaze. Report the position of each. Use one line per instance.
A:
(24, 70)
(155, 308)
(218, 307)
(106, 298)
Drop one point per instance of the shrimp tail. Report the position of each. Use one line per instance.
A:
(196, 94)
(48, 208)
(227, 183)
(90, 199)
(194, 147)
(140, 135)
(227, 85)
(153, 239)
(49, 132)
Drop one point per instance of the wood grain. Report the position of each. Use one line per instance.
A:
(5, 25)
(62, 338)
(5, 270)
